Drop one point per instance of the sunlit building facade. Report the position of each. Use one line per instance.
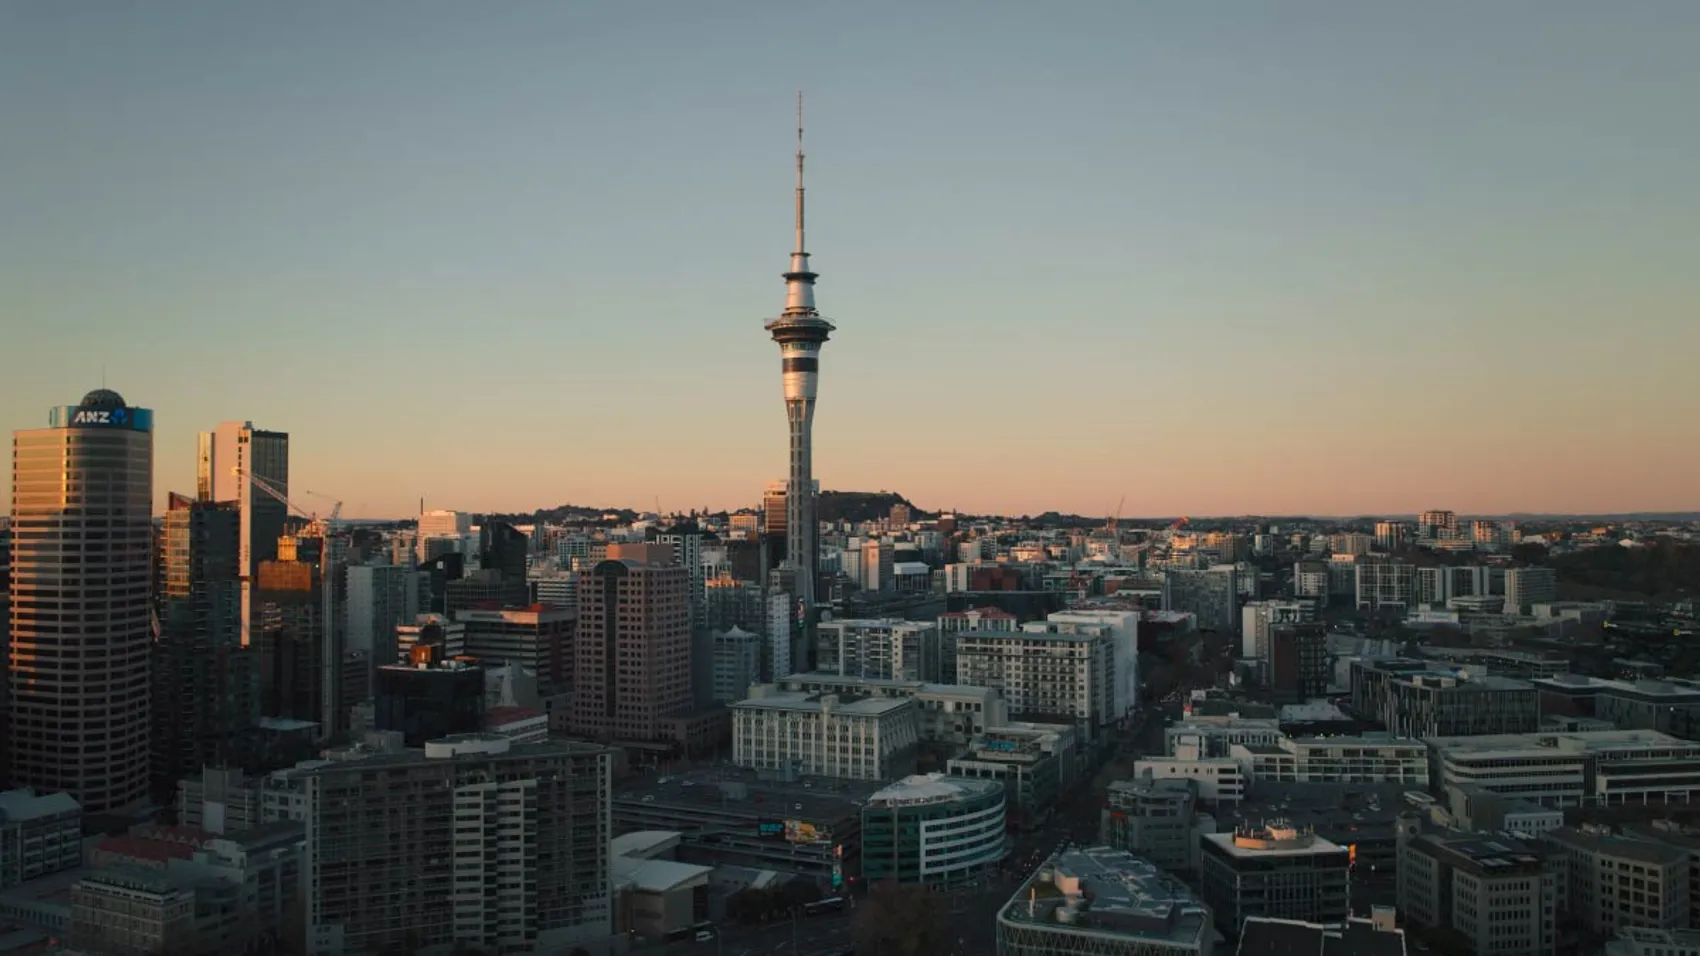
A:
(82, 505)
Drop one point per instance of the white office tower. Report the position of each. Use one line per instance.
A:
(1123, 629)
(444, 524)
(380, 597)
(475, 840)
(442, 532)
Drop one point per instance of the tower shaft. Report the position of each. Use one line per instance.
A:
(800, 331)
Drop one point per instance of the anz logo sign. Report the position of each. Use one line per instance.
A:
(101, 416)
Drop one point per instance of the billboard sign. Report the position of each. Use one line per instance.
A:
(797, 831)
(125, 419)
(1008, 745)
(770, 828)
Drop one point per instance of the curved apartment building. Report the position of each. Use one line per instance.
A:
(933, 829)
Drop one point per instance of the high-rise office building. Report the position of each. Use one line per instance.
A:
(380, 597)
(82, 526)
(301, 644)
(632, 648)
(773, 509)
(503, 548)
(250, 466)
(800, 332)
(205, 683)
(686, 541)
(5, 628)
(474, 839)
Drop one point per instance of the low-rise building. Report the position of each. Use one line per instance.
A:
(1413, 698)
(1099, 901)
(1614, 881)
(1156, 820)
(1654, 942)
(1030, 774)
(1366, 758)
(1481, 810)
(1277, 871)
(1214, 736)
(725, 816)
(1499, 893)
(935, 830)
(1376, 936)
(827, 735)
(133, 911)
(1599, 768)
(1668, 706)
(39, 834)
(656, 896)
(1221, 780)
(948, 713)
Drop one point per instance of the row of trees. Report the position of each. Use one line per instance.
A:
(898, 920)
(755, 905)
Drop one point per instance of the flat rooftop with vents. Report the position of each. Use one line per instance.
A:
(1102, 901)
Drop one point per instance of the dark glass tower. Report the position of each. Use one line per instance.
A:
(205, 683)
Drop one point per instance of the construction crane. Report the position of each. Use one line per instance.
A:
(328, 662)
(1115, 519)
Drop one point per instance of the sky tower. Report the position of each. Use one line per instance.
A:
(800, 332)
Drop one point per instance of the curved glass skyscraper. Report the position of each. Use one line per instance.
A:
(82, 522)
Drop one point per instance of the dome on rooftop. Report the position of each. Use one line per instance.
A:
(102, 398)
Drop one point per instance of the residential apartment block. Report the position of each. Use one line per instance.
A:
(473, 839)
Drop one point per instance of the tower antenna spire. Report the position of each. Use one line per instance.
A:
(800, 248)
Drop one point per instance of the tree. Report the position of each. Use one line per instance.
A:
(799, 891)
(901, 921)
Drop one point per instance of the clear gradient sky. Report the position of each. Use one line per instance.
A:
(1325, 257)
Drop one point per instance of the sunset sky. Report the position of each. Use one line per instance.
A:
(1220, 258)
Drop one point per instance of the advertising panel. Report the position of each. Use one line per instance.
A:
(770, 828)
(796, 831)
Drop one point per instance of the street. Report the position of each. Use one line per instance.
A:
(825, 935)
(973, 912)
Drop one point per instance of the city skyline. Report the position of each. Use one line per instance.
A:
(1356, 263)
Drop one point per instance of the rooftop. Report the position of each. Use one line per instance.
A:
(1658, 854)
(26, 804)
(929, 788)
(657, 876)
(1099, 891)
(1586, 741)
(747, 794)
(918, 688)
(1578, 684)
(1261, 936)
(1483, 854)
(497, 716)
(156, 844)
(803, 701)
(642, 844)
(1276, 838)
